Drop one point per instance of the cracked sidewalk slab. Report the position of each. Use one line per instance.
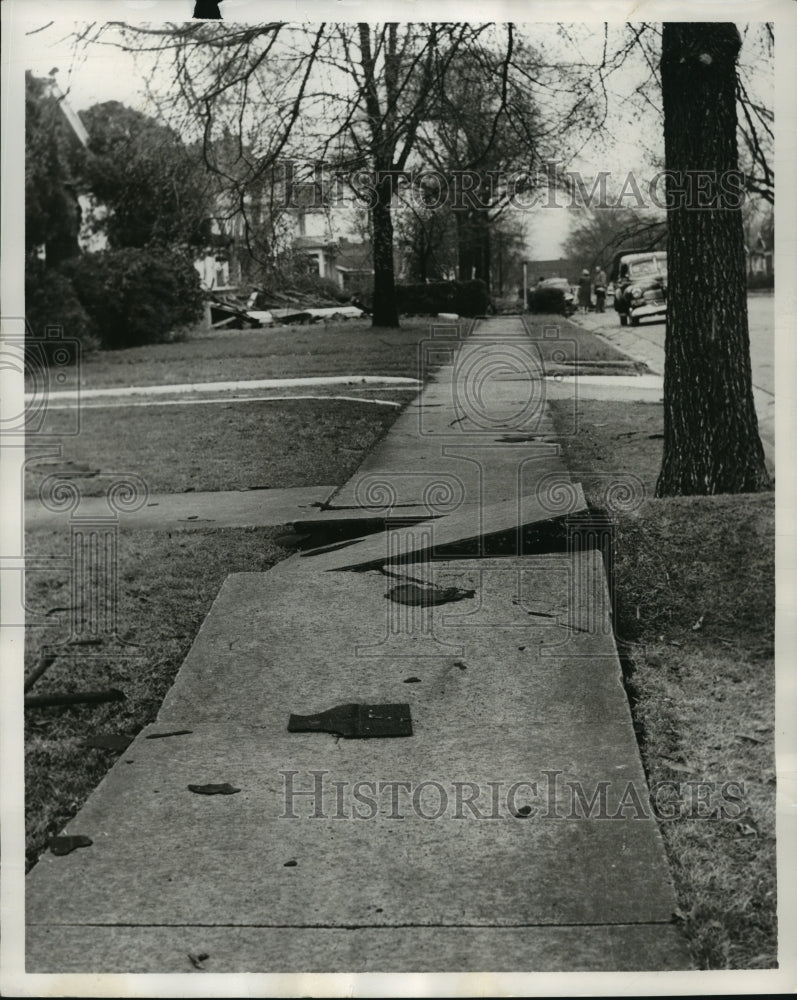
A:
(445, 477)
(472, 523)
(584, 948)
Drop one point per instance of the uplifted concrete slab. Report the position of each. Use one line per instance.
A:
(426, 831)
(613, 948)
(223, 509)
(556, 496)
(386, 839)
(293, 640)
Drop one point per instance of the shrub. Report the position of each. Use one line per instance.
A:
(466, 298)
(546, 300)
(314, 284)
(136, 296)
(51, 301)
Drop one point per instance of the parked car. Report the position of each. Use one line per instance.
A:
(543, 295)
(640, 285)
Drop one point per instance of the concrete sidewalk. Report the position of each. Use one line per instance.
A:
(222, 509)
(511, 831)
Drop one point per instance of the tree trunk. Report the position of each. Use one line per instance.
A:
(473, 246)
(464, 247)
(484, 248)
(711, 440)
(385, 312)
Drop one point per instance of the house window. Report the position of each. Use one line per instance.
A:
(313, 263)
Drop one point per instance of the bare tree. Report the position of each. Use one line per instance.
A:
(708, 107)
(604, 231)
(397, 71)
(505, 116)
(353, 94)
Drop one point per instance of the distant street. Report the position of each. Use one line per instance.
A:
(761, 317)
(646, 343)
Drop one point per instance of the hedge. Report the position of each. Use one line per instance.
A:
(759, 280)
(466, 298)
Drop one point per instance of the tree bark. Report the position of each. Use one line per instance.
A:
(483, 268)
(474, 255)
(711, 439)
(385, 312)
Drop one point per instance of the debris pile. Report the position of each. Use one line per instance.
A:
(267, 308)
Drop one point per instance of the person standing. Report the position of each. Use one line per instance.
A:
(600, 289)
(584, 291)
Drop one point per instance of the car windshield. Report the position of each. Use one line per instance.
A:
(647, 266)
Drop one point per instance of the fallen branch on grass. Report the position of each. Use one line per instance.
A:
(45, 661)
(76, 698)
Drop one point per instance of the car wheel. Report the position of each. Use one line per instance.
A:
(635, 321)
(623, 319)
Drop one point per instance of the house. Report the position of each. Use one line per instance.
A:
(760, 259)
(349, 263)
(329, 226)
(307, 218)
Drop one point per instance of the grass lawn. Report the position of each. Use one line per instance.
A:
(352, 347)
(694, 590)
(167, 582)
(556, 335)
(348, 348)
(218, 446)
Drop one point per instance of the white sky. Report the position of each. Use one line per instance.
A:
(101, 73)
